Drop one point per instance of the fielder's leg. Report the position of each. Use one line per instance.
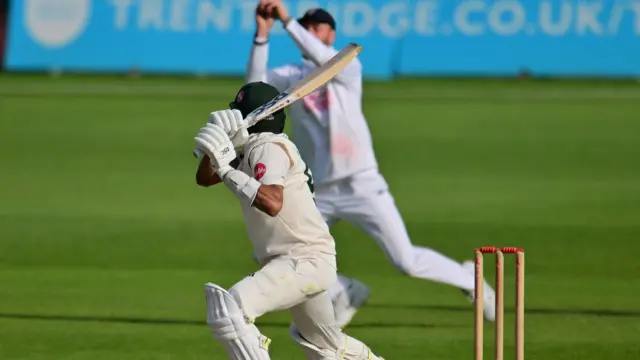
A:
(347, 294)
(231, 327)
(377, 215)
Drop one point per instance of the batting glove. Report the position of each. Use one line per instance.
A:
(214, 141)
(232, 123)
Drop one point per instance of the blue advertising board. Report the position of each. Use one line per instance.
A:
(418, 37)
(552, 37)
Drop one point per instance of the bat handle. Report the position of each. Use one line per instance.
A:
(250, 120)
(198, 153)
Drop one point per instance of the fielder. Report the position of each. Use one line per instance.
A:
(332, 134)
(291, 241)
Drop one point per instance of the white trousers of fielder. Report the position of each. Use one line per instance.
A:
(364, 201)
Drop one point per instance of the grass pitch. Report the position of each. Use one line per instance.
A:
(106, 241)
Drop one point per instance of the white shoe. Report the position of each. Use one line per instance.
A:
(347, 303)
(489, 294)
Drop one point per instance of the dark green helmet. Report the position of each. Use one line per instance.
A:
(252, 96)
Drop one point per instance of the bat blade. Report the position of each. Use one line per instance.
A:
(304, 87)
(307, 85)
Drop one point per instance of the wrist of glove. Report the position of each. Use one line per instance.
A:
(214, 141)
(223, 171)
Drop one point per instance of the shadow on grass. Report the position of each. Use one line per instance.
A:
(186, 322)
(167, 321)
(533, 311)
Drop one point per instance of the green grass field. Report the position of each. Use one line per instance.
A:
(106, 241)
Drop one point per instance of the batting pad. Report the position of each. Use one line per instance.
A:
(242, 341)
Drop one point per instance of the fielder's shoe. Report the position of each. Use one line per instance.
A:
(347, 303)
(489, 294)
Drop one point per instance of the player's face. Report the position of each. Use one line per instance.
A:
(324, 32)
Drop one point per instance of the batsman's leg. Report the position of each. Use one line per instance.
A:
(230, 314)
(320, 338)
(241, 339)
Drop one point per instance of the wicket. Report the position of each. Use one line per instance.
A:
(479, 301)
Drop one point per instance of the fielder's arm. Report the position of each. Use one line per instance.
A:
(258, 59)
(280, 78)
(316, 51)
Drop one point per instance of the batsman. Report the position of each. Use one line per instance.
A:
(291, 241)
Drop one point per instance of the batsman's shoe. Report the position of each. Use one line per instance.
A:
(489, 294)
(347, 303)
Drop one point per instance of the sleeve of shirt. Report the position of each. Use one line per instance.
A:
(316, 51)
(269, 164)
(281, 77)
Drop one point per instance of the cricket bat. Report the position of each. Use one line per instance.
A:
(302, 88)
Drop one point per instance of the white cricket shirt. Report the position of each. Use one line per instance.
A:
(328, 126)
(298, 228)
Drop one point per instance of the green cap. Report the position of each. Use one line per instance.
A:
(253, 95)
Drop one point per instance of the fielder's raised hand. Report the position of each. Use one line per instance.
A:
(214, 141)
(276, 9)
(232, 123)
(264, 21)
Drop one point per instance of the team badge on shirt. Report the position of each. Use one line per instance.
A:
(259, 170)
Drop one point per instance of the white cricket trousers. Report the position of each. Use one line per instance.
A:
(364, 201)
(300, 284)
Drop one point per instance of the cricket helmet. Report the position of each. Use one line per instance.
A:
(253, 95)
